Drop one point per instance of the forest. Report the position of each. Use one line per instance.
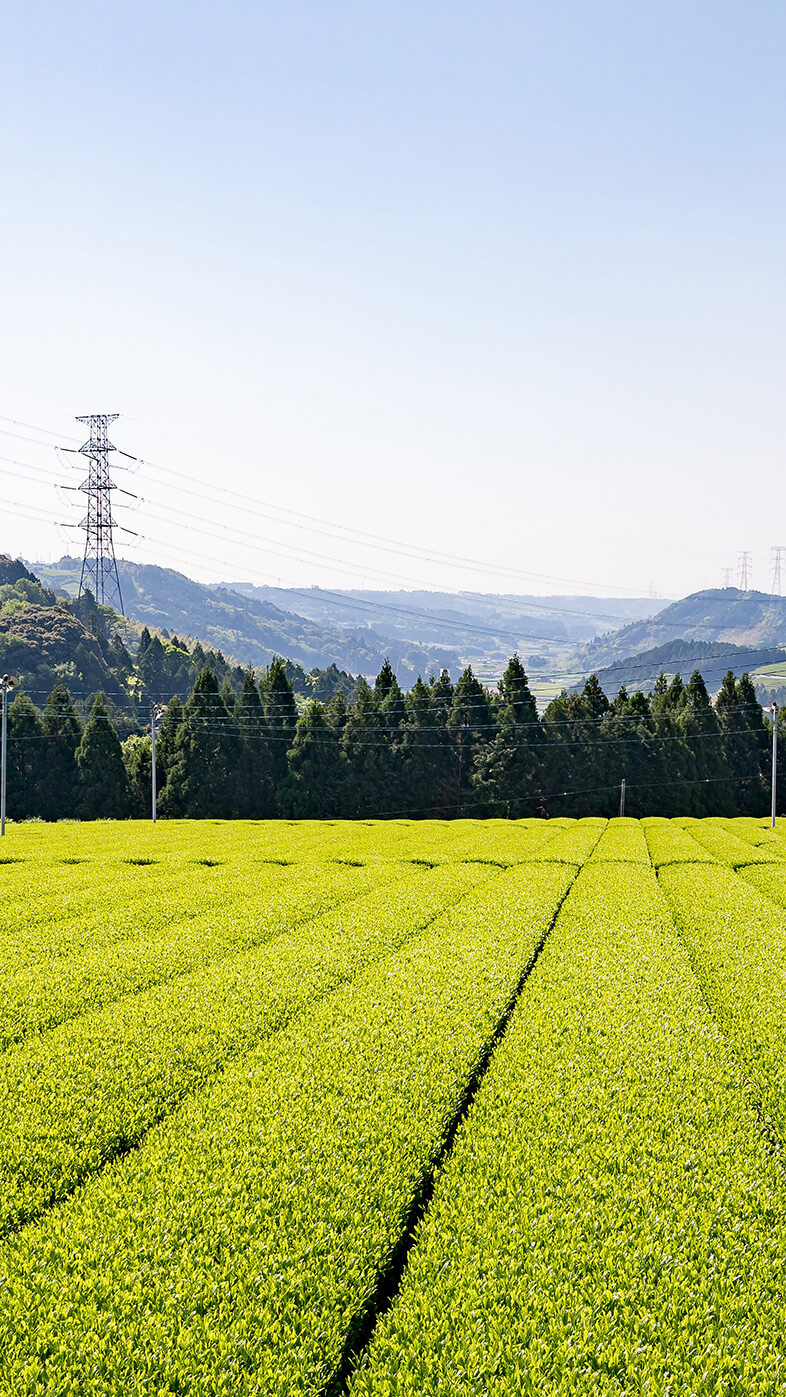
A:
(442, 751)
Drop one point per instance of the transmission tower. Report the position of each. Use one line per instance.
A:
(744, 569)
(99, 566)
(777, 555)
(726, 577)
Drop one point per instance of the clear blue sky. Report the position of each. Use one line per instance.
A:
(501, 280)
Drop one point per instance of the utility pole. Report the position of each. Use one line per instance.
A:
(622, 796)
(744, 569)
(99, 565)
(777, 555)
(6, 685)
(774, 712)
(156, 713)
(726, 577)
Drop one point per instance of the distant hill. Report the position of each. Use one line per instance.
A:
(43, 639)
(482, 627)
(753, 619)
(250, 629)
(712, 658)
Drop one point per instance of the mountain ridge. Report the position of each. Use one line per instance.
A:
(251, 630)
(724, 614)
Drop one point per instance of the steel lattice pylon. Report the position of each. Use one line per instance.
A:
(99, 565)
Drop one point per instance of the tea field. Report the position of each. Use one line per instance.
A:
(473, 1107)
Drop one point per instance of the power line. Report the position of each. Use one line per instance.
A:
(410, 613)
(364, 571)
(250, 504)
(698, 659)
(379, 737)
(43, 431)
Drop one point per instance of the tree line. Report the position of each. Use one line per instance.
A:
(442, 750)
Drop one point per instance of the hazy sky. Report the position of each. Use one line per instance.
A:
(503, 281)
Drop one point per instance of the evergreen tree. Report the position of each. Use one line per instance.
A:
(385, 682)
(675, 694)
(392, 715)
(104, 789)
(255, 778)
(62, 732)
(712, 790)
(366, 753)
(315, 785)
(165, 741)
(152, 667)
(441, 694)
(746, 743)
(594, 702)
(564, 755)
(631, 751)
(391, 701)
(426, 778)
(27, 760)
(202, 772)
(578, 777)
(337, 712)
(508, 771)
(470, 728)
(137, 760)
(229, 697)
(278, 702)
(659, 693)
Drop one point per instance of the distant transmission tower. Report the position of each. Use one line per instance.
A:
(726, 577)
(777, 555)
(99, 565)
(744, 569)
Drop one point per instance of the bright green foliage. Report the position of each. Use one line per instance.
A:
(575, 841)
(508, 841)
(235, 1051)
(43, 994)
(769, 879)
(263, 1208)
(606, 1195)
(760, 834)
(718, 838)
(74, 1097)
(737, 942)
(622, 841)
(669, 843)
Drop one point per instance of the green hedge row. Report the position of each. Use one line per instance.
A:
(610, 1219)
